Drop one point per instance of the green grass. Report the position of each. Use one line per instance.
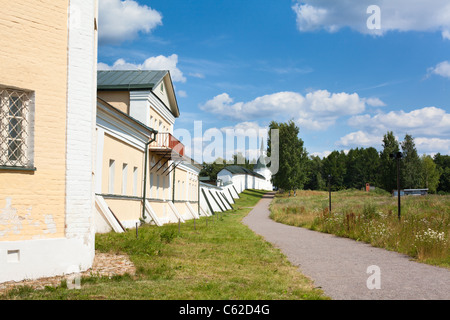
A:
(422, 233)
(221, 259)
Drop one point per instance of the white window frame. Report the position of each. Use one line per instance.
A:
(135, 181)
(112, 176)
(124, 178)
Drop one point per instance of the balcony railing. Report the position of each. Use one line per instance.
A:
(166, 141)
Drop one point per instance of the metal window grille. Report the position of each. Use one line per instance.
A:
(14, 127)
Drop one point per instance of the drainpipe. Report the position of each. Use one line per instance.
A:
(173, 186)
(145, 172)
(198, 193)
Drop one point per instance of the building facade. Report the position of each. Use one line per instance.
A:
(47, 120)
(137, 155)
(242, 178)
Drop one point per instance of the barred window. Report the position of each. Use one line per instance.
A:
(15, 128)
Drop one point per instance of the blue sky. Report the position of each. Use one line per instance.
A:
(241, 64)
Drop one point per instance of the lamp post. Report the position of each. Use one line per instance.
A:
(398, 156)
(329, 193)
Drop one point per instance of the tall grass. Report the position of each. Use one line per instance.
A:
(422, 233)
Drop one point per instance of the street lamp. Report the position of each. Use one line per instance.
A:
(329, 193)
(398, 156)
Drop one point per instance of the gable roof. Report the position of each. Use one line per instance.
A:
(129, 79)
(135, 80)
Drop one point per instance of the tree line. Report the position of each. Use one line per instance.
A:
(358, 166)
(347, 170)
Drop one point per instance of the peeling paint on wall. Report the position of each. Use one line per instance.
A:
(51, 225)
(17, 226)
(9, 220)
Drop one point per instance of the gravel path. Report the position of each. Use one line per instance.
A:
(340, 266)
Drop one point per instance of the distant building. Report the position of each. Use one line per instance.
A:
(411, 192)
(242, 178)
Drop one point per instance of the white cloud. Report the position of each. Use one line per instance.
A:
(317, 110)
(396, 15)
(321, 155)
(310, 18)
(375, 102)
(152, 63)
(432, 145)
(423, 145)
(446, 34)
(248, 127)
(360, 139)
(429, 121)
(182, 94)
(429, 126)
(442, 69)
(197, 75)
(120, 21)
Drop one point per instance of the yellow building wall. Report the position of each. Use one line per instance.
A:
(125, 210)
(159, 123)
(187, 191)
(122, 153)
(33, 56)
(163, 191)
(118, 99)
(161, 209)
(180, 184)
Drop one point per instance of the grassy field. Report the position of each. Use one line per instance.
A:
(223, 260)
(422, 233)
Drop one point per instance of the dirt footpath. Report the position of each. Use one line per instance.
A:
(349, 270)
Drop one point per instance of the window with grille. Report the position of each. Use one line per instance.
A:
(16, 110)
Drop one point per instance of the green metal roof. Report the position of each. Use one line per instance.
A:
(129, 79)
(242, 170)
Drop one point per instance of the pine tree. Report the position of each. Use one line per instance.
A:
(411, 169)
(388, 169)
(443, 164)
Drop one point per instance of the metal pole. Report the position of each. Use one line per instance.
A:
(173, 187)
(398, 187)
(329, 193)
(137, 235)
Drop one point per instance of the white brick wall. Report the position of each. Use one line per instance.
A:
(81, 106)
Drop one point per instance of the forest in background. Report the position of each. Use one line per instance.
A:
(348, 170)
